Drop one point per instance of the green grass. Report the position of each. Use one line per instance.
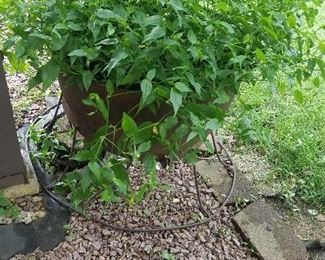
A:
(290, 134)
(7, 208)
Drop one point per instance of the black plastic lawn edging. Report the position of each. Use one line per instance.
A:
(44, 233)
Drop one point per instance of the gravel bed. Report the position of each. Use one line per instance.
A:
(29, 208)
(27, 105)
(172, 203)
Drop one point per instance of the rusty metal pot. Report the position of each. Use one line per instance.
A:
(124, 102)
(78, 113)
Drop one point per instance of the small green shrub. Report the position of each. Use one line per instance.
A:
(7, 208)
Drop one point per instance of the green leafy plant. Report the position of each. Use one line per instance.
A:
(49, 147)
(166, 255)
(7, 208)
(189, 55)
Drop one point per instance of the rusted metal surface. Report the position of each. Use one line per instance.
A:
(123, 102)
(12, 168)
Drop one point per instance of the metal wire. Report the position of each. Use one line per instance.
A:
(205, 221)
(52, 123)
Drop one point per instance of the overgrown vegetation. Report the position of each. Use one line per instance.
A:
(7, 208)
(50, 150)
(290, 133)
(288, 126)
(188, 55)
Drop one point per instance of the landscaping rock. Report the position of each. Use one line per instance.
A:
(217, 176)
(218, 240)
(268, 234)
(320, 217)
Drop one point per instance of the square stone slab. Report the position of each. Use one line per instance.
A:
(261, 225)
(217, 177)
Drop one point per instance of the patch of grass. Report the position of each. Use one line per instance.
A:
(290, 133)
(7, 208)
(167, 256)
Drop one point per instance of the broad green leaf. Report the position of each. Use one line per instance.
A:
(146, 88)
(121, 173)
(120, 185)
(177, 5)
(260, 55)
(170, 122)
(82, 156)
(191, 37)
(50, 72)
(58, 41)
(87, 78)
(75, 27)
(152, 20)
(191, 157)
(41, 36)
(141, 192)
(321, 65)
(95, 169)
(151, 74)
(100, 105)
(78, 53)
(204, 111)
(156, 33)
(19, 65)
(167, 124)
(281, 87)
(109, 87)
(182, 87)
(191, 136)
(149, 163)
(181, 132)
(109, 41)
(135, 73)
(228, 26)
(321, 46)
(107, 174)
(86, 181)
(292, 21)
(129, 126)
(299, 97)
(105, 14)
(176, 99)
(105, 196)
(222, 6)
(91, 53)
(144, 147)
(94, 27)
(117, 56)
(213, 124)
(195, 84)
(316, 82)
(34, 81)
(222, 97)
